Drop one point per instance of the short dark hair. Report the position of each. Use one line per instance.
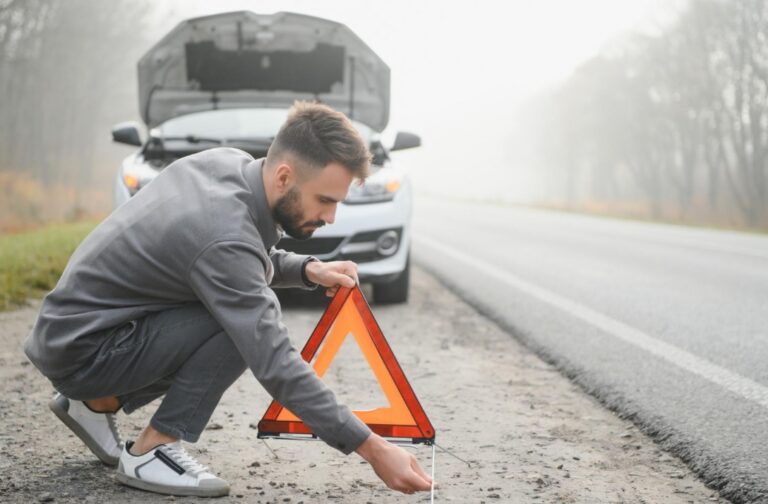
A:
(316, 135)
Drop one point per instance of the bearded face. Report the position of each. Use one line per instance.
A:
(289, 214)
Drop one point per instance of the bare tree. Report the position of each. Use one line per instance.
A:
(67, 73)
(680, 118)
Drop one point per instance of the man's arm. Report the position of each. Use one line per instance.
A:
(397, 468)
(229, 278)
(289, 269)
(307, 272)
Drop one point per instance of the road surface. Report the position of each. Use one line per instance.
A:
(528, 434)
(665, 324)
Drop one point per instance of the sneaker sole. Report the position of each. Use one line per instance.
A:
(86, 438)
(169, 489)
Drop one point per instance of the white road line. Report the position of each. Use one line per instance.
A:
(727, 379)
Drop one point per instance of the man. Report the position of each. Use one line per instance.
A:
(172, 296)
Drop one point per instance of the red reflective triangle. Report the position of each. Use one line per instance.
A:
(347, 314)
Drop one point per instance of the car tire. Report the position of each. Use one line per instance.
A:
(394, 291)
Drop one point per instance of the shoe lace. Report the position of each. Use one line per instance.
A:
(113, 426)
(184, 459)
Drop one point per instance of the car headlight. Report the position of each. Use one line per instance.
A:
(380, 186)
(136, 176)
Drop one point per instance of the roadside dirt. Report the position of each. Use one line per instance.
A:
(528, 434)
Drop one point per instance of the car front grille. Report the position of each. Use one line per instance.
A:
(360, 257)
(360, 248)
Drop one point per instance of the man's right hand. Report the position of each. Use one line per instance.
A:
(332, 274)
(397, 468)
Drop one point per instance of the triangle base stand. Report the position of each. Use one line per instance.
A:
(288, 436)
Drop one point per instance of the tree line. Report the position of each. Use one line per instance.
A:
(67, 74)
(675, 122)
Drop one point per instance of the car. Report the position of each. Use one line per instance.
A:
(229, 79)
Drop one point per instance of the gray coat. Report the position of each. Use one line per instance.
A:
(202, 231)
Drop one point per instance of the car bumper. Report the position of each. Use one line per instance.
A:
(354, 236)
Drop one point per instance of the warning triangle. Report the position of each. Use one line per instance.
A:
(349, 314)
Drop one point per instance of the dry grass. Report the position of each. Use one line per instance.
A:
(31, 262)
(27, 203)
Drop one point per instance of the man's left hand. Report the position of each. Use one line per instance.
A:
(332, 274)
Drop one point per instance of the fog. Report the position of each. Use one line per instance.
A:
(508, 98)
(461, 70)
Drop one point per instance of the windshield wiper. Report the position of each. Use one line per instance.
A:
(193, 139)
(250, 140)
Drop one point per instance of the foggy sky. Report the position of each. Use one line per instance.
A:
(461, 69)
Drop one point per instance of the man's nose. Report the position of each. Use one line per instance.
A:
(329, 215)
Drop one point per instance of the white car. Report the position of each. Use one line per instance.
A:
(229, 79)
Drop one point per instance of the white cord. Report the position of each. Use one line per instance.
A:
(269, 448)
(432, 490)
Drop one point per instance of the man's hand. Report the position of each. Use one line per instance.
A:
(332, 274)
(397, 468)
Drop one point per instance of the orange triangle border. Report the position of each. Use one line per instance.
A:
(422, 432)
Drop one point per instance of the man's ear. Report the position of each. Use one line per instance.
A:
(285, 177)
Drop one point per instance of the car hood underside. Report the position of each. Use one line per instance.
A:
(242, 59)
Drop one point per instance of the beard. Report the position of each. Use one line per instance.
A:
(289, 214)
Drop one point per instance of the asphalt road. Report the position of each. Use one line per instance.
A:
(667, 325)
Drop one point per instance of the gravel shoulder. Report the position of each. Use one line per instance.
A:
(527, 433)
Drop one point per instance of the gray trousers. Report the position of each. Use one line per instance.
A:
(181, 353)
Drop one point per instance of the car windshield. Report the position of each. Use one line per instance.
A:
(223, 124)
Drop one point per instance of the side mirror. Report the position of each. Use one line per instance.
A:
(127, 133)
(405, 140)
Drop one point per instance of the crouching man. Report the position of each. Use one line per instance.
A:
(171, 296)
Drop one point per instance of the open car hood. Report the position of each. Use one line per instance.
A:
(242, 59)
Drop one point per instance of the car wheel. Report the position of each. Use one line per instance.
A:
(395, 291)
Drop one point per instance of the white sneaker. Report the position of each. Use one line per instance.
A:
(168, 469)
(96, 430)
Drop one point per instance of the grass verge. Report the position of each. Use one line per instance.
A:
(31, 262)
